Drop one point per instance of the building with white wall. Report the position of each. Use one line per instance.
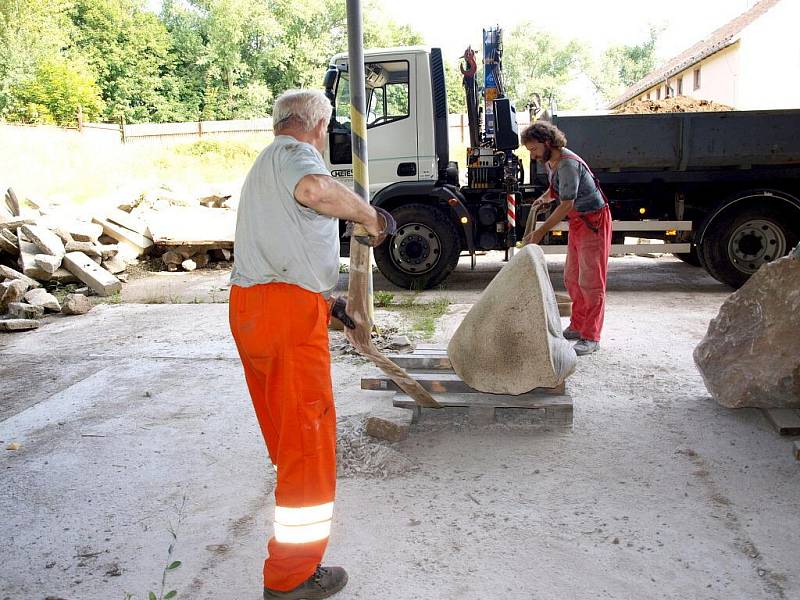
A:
(750, 63)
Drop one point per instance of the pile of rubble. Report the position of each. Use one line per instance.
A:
(46, 247)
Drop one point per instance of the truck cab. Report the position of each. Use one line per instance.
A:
(399, 118)
(410, 171)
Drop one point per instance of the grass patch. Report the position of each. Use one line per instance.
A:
(383, 298)
(421, 316)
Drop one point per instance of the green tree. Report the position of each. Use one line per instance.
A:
(535, 61)
(454, 84)
(60, 86)
(623, 65)
(31, 31)
(130, 49)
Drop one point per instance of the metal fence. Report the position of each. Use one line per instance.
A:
(194, 130)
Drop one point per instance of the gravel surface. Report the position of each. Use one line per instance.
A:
(657, 493)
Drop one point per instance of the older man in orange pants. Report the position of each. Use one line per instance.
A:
(286, 262)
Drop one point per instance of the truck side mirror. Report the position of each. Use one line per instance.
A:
(330, 80)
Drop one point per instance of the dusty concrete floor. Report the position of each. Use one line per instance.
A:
(657, 493)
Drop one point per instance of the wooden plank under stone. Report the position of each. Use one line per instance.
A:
(416, 362)
(442, 383)
(493, 400)
(92, 274)
(786, 421)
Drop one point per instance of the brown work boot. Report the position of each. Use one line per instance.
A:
(323, 583)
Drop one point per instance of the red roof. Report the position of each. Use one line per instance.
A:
(721, 38)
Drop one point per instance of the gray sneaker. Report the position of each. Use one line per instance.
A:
(571, 334)
(584, 347)
(323, 583)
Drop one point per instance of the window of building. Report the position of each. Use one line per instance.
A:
(658, 93)
(680, 86)
(697, 78)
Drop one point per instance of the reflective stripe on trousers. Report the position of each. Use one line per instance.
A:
(281, 333)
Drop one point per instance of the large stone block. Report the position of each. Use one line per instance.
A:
(750, 355)
(510, 342)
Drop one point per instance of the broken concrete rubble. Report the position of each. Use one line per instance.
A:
(10, 273)
(18, 324)
(40, 297)
(92, 274)
(45, 240)
(20, 310)
(76, 304)
(47, 262)
(494, 353)
(11, 292)
(750, 356)
(389, 423)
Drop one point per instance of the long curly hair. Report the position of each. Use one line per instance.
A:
(544, 132)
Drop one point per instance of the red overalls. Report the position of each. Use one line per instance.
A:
(281, 332)
(585, 271)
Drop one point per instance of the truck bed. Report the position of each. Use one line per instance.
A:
(685, 141)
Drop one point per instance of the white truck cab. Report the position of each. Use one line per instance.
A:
(400, 129)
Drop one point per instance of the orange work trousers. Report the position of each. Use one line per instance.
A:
(281, 332)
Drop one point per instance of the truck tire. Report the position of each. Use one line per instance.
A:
(739, 242)
(424, 250)
(690, 258)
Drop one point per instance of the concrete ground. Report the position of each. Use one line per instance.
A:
(126, 414)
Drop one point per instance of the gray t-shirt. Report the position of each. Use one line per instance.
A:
(277, 238)
(573, 181)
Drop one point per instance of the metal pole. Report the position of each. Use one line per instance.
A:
(358, 131)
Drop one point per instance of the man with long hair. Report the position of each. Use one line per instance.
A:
(576, 190)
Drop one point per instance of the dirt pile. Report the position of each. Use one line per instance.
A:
(672, 105)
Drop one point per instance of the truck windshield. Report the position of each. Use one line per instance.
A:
(387, 94)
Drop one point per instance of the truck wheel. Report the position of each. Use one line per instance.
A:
(738, 243)
(690, 258)
(424, 250)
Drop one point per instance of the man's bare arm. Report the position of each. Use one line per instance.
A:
(558, 215)
(327, 196)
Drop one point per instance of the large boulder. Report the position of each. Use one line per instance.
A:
(751, 353)
(510, 342)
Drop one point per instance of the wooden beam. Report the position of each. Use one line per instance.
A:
(533, 401)
(441, 383)
(416, 362)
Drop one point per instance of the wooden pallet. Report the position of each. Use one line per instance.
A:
(431, 367)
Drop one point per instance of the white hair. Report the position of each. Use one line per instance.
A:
(301, 108)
